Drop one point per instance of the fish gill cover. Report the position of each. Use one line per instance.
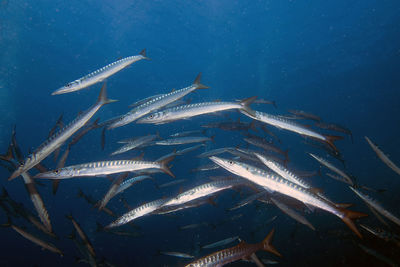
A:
(325, 77)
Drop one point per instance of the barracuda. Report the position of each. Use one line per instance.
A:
(278, 184)
(135, 143)
(184, 140)
(333, 168)
(56, 140)
(288, 125)
(156, 103)
(135, 213)
(101, 168)
(383, 157)
(203, 190)
(100, 74)
(192, 110)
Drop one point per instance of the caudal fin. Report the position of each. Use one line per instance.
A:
(102, 99)
(348, 218)
(246, 105)
(143, 53)
(332, 138)
(198, 84)
(267, 246)
(164, 165)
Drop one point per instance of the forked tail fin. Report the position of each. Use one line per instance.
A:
(332, 138)
(348, 218)
(143, 54)
(246, 105)
(267, 246)
(198, 84)
(102, 99)
(164, 165)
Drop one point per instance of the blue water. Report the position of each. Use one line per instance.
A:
(337, 59)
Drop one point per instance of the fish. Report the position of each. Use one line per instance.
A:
(248, 200)
(292, 213)
(191, 204)
(379, 256)
(264, 101)
(378, 207)
(157, 103)
(177, 254)
(100, 74)
(184, 140)
(383, 157)
(175, 182)
(214, 152)
(221, 242)
(93, 202)
(275, 183)
(102, 168)
(129, 182)
(383, 234)
(186, 133)
(208, 167)
(135, 143)
(100, 228)
(138, 212)
(333, 168)
(334, 127)
(36, 240)
(203, 190)
(188, 149)
(83, 132)
(192, 226)
(291, 126)
(56, 140)
(112, 191)
(144, 100)
(305, 115)
(192, 110)
(82, 235)
(238, 252)
(232, 125)
(339, 178)
(267, 146)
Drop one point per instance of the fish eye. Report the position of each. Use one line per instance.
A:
(56, 171)
(151, 116)
(230, 162)
(68, 85)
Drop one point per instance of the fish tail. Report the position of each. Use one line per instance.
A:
(9, 154)
(55, 185)
(198, 84)
(164, 165)
(330, 139)
(348, 218)
(143, 53)
(246, 105)
(103, 100)
(267, 246)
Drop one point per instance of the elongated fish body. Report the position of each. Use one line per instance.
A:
(188, 149)
(156, 103)
(291, 126)
(221, 242)
(339, 178)
(248, 200)
(266, 146)
(203, 190)
(37, 201)
(177, 254)
(186, 133)
(215, 152)
(276, 183)
(183, 140)
(131, 181)
(101, 168)
(305, 115)
(82, 235)
(295, 215)
(134, 144)
(100, 74)
(112, 190)
(138, 212)
(238, 252)
(332, 168)
(383, 157)
(36, 240)
(192, 110)
(175, 182)
(138, 103)
(56, 140)
(170, 209)
(378, 207)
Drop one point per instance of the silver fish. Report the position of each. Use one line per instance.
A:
(293, 214)
(157, 103)
(248, 200)
(175, 182)
(186, 133)
(288, 125)
(221, 242)
(378, 207)
(203, 190)
(102, 168)
(184, 140)
(131, 181)
(135, 143)
(100, 74)
(276, 183)
(332, 168)
(383, 157)
(192, 110)
(177, 254)
(56, 140)
(138, 212)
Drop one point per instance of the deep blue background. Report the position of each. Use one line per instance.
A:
(337, 59)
